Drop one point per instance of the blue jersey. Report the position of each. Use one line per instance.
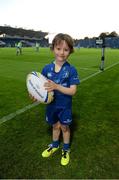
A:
(66, 77)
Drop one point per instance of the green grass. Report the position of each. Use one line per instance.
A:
(94, 142)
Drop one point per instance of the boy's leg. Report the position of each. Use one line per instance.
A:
(56, 131)
(66, 146)
(55, 144)
(66, 133)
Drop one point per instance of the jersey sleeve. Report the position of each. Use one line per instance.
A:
(74, 78)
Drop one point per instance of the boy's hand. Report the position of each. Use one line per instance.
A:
(50, 86)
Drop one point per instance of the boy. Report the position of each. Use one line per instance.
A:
(63, 80)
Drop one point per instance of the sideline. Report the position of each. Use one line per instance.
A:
(98, 72)
(20, 111)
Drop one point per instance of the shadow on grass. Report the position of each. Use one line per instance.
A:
(74, 125)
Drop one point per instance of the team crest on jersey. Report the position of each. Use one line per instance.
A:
(65, 74)
(49, 74)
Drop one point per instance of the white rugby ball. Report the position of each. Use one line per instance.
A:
(35, 85)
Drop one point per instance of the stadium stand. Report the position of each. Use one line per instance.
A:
(2, 44)
(10, 36)
(110, 42)
(10, 41)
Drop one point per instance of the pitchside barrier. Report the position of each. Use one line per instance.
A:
(101, 41)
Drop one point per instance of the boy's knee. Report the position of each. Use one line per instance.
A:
(65, 128)
(56, 126)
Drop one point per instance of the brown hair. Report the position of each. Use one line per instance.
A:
(60, 37)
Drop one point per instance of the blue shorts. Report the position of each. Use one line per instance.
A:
(63, 115)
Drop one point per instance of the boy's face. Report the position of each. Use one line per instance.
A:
(61, 51)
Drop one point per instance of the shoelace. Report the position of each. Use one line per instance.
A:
(49, 149)
(64, 154)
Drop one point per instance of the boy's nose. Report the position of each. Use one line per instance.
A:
(62, 51)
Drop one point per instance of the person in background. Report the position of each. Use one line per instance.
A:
(19, 48)
(37, 47)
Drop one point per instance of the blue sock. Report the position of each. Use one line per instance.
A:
(55, 144)
(66, 147)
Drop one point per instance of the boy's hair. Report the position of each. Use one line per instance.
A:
(63, 37)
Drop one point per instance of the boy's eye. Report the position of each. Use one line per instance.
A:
(66, 49)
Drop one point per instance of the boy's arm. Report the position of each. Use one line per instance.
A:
(69, 91)
(50, 86)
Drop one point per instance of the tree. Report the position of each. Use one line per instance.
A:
(86, 38)
(104, 34)
(113, 34)
(107, 34)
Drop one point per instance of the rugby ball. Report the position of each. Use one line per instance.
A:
(35, 85)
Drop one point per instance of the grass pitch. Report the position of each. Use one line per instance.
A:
(94, 142)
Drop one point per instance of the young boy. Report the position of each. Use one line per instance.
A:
(63, 80)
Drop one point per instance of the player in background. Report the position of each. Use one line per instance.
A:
(37, 47)
(19, 48)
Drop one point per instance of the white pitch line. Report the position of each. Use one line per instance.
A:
(98, 72)
(88, 69)
(20, 111)
(94, 74)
